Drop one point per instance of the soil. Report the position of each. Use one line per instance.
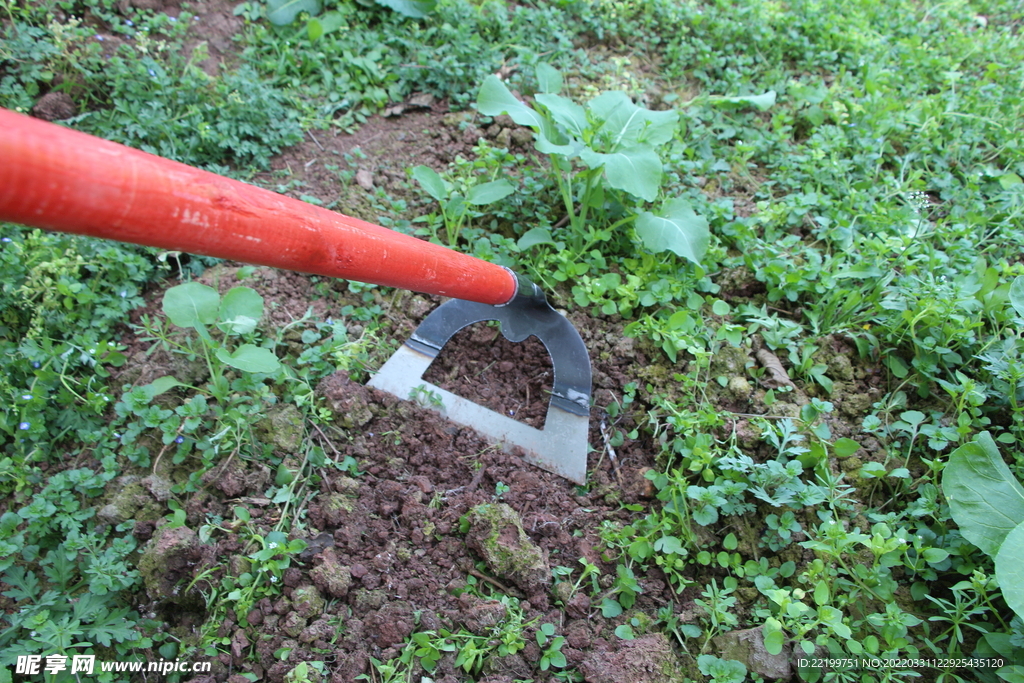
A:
(402, 546)
(393, 535)
(355, 173)
(385, 553)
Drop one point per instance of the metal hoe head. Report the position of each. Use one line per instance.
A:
(561, 447)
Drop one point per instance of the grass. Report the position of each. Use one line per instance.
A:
(876, 209)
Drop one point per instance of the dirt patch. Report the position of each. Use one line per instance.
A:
(330, 162)
(387, 550)
(214, 25)
(512, 379)
(386, 546)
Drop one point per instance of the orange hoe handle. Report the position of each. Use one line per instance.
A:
(59, 179)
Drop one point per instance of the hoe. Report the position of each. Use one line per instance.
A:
(59, 179)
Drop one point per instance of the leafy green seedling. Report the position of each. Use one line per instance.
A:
(456, 206)
(551, 648)
(609, 147)
(284, 12)
(199, 307)
(722, 670)
(430, 648)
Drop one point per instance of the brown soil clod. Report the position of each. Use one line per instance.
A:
(648, 659)
(496, 533)
(54, 106)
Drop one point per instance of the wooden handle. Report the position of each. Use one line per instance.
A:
(55, 178)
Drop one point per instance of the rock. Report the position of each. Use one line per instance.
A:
(840, 367)
(54, 106)
(391, 624)
(522, 137)
(125, 504)
(159, 486)
(335, 508)
(364, 179)
(478, 615)
(331, 576)
(308, 602)
(579, 606)
(282, 427)
(346, 399)
(167, 559)
(740, 388)
(730, 361)
(747, 646)
(318, 630)
(239, 643)
(648, 659)
(293, 624)
(496, 533)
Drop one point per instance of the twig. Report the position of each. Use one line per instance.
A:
(227, 462)
(611, 452)
(166, 446)
(561, 221)
(324, 436)
(477, 478)
(316, 141)
(495, 583)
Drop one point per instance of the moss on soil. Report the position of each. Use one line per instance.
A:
(496, 532)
